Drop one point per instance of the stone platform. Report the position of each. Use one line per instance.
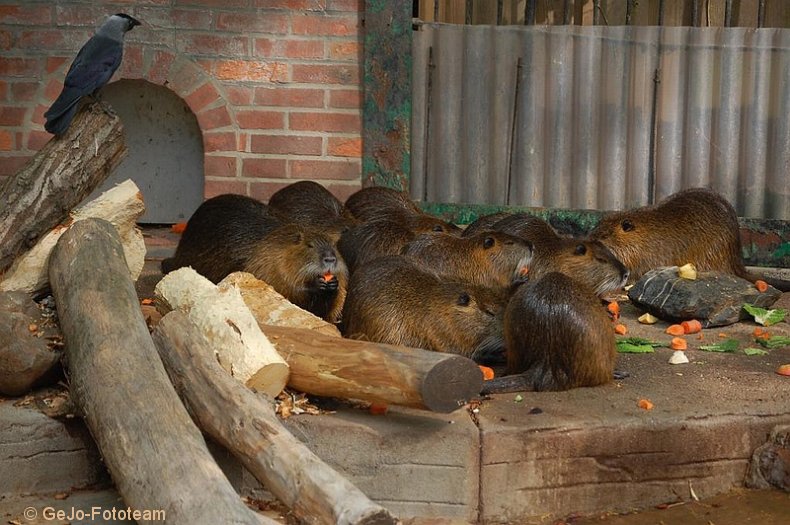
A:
(515, 458)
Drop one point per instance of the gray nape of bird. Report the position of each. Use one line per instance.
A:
(92, 68)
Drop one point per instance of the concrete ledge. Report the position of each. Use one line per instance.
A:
(39, 454)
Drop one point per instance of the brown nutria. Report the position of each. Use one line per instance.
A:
(484, 223)
(589, 262)
(378, 202)
(371, 240)
(696, 226)
(230, 233)
(557, 336)
(390, 300)
(310, 204)
(492, 259)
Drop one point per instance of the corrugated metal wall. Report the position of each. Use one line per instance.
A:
(601, 117)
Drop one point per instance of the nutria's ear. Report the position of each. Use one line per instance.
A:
(438, 228)
(581, 249)
(464, 299)
(297, 237)
(627, 225)
(488, 242)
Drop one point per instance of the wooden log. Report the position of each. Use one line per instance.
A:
(270, 307)
(122, 206)
(155, 454)
(65, 171)
(224, 319)
(246, 425)
(337, 367)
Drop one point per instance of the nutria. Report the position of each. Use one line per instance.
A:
(587, 261)
(491, 259)
(230, 233)
(310, 204)
(371, 240)
(484, 223)
(557, 336)
(379, 202)
(390, 300)
(696, 226)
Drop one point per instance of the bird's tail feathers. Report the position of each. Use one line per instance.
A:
(58, 122)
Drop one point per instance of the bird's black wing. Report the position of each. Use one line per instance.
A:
(92, 68)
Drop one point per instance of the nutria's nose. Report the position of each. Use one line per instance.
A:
(330, 259)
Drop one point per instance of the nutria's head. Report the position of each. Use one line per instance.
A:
(424, 223)
(486, 259)
(589, 262)
(304, 266)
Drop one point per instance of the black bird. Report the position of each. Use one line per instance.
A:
(92, 69)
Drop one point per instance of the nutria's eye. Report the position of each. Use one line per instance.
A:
(464, 299)
(627, 225)
(488, 242)
(580, 249)
(438, 228)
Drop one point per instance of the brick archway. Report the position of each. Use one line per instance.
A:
(181, 75)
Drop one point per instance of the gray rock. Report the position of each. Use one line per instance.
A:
(715, 298)
(24, 358)
(19, 302)
(770, 466)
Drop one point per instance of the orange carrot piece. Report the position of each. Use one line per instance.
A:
(614, 309)
(178, 227)
(675, 329)
(678, 343)
(691, 327)
(147, 301)
(761, 286)
(783, 370)
(488, 373)
(378, 409)
(620, 329)
(645, 404)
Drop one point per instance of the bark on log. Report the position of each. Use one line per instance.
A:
(224, 319)
(155, 454)
(270, 307)
(122, 206)
(337, 367)
(58, 178)
(245, 424)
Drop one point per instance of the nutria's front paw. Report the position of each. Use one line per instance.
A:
(328, 283)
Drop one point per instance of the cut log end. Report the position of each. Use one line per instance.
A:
(270, 379)
(451, 383)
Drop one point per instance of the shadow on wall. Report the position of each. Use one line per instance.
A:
(165, 157)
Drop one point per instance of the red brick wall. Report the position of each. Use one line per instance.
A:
(275, 84)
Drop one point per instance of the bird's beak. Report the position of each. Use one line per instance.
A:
(134, 21)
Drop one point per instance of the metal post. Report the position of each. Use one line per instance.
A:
(529, 12)
(727, 13)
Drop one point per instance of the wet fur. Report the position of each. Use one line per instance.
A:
(557, 337)
(390, 300)
(373, 239)
(310, 204)
(589, 262)
(230, 233)
(696, 226)
(492, 259)
(378, 202)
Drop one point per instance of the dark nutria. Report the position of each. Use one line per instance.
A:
(557, 336)
(492, 259)
(371, 240)
(696, 226)
(230, 233)
(589, 262)
(390, 300)
(379, 202)
(310, 204)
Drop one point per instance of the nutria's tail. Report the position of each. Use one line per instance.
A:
(506, 384)
(782, 285)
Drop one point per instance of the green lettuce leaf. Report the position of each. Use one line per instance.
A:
(763, 316)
